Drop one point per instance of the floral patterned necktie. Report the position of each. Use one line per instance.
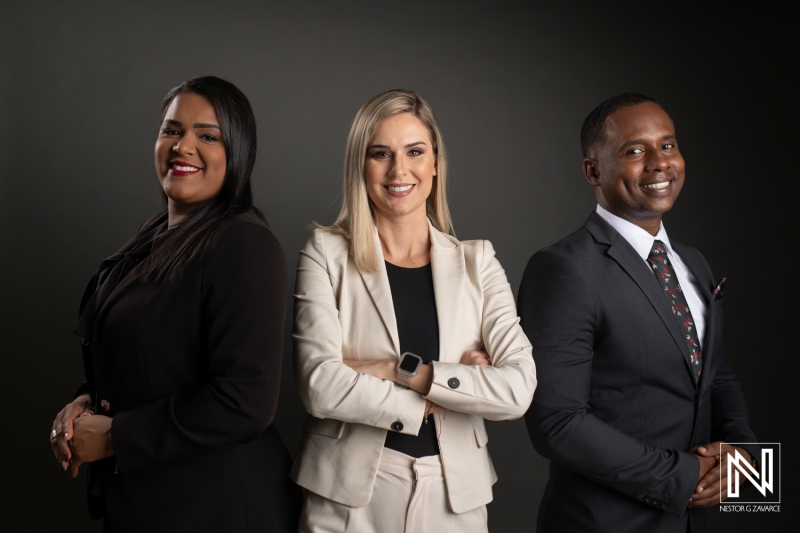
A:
(677, 301)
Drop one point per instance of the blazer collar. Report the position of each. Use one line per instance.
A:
(623, 253)
(448, 267)
(377, 284)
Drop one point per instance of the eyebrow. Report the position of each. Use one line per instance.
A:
(196, 125)
(642, 141)
(406, 146)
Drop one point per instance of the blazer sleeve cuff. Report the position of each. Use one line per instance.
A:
(449, 383)
(494, 393)
(673, 497)
(409, 414)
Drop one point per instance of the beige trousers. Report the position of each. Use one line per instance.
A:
(409, 497)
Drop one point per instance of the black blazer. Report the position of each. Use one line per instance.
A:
(617, 407)
(190, 372)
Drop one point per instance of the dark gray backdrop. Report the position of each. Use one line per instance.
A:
(81, 88)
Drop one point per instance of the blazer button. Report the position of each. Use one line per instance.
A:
(664, 505)
(647, 499)
(105, 405)
(453, 383)
(397, 426)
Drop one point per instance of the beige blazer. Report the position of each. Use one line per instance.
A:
(342, 313)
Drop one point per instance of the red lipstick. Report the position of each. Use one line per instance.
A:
(181, 168)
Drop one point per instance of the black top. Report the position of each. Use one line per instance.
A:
(418, 328)
(190, 371)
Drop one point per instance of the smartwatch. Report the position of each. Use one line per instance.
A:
(407, 368)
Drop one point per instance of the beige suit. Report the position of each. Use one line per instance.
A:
(342, 313)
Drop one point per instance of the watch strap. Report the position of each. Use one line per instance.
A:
(403, 379)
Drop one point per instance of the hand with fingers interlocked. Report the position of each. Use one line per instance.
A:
(712, 485)
(79, 436)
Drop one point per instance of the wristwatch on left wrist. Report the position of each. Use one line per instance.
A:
(407, 367)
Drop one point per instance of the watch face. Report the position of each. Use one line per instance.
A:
(409, 364)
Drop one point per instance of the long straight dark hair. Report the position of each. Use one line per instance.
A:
(196, 235)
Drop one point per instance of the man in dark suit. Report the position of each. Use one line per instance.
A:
(635, 394)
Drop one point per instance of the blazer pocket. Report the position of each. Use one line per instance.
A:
(324, 426)
(481, 437)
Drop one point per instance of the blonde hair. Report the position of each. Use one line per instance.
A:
(355, 221)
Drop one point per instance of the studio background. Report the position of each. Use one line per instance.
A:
(79, 101)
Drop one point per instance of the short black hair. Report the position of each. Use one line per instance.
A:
(594, 127)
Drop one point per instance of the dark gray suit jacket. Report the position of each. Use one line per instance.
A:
(617, 408)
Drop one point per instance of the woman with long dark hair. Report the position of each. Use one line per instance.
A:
(182, 334)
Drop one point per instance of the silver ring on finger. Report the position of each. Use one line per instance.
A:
(53, 435)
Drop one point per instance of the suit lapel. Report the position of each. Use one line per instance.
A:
(697, 268)
(627, 258)
(705, 286)
(449, 271)
(377, 284)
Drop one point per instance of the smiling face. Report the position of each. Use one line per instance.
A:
(189, 154)
(638, 171)
(399, 168)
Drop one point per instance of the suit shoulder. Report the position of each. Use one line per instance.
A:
(326, 243)
(573, 257)
(477, 252)
(245, 255)
(246, 228)
(474, 247)
(243, 243)
(686, 251)
(247, 218)
(695, 260)
(573, 246)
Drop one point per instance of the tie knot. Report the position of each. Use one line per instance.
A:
(659, 248)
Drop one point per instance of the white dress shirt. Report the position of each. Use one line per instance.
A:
(642, 242)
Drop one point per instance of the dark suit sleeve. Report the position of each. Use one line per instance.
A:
(559, 315)
(244, 295)
(729, 420)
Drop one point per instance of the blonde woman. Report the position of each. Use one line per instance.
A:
(406, 339)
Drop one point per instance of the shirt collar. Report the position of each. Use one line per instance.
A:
(641, 241)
